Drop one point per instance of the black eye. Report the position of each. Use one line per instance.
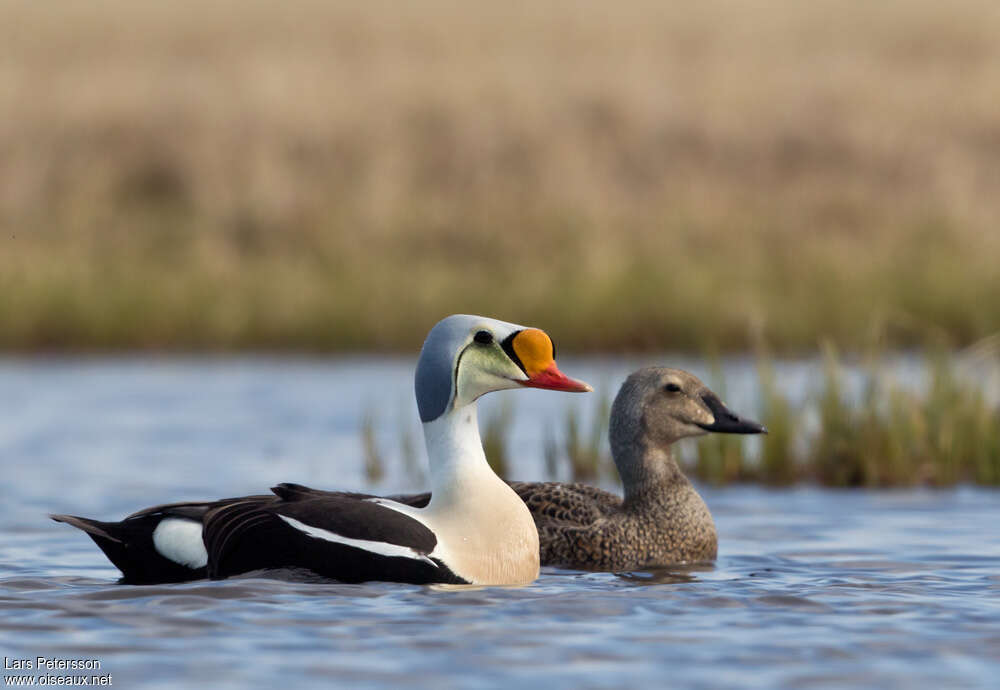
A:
(672, 388)
(483, 337)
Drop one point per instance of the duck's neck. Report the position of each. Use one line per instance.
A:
(485, 532)
(458, 464)
(650, 475)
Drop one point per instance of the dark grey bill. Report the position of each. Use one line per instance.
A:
(726, 422)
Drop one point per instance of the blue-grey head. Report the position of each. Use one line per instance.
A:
(466, 356)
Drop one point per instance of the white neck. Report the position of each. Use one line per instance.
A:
(485, 532)
(455, 453)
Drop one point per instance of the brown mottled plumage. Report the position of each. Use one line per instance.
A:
(662, 520)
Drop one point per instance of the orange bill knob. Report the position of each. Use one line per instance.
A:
(534, 352)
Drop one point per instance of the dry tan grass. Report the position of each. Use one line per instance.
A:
(339, 175)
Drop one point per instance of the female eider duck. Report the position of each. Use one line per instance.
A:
(475, 530)
(662, 520)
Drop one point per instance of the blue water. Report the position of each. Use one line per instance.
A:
(812, 588)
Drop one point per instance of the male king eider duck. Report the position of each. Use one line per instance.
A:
(475, 531)
(662, 520)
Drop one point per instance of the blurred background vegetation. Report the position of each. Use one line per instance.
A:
(337, 176)
(941, 431)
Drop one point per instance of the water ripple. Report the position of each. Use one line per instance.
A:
(812, 588)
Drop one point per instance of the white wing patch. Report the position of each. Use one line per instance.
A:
(378, 547)
(409, 511)
(179, 540)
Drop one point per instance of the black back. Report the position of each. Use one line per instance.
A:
(249, 534)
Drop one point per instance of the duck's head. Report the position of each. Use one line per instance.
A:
(657, 406)
(466, 356)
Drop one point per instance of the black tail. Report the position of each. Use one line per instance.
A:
(129, 545)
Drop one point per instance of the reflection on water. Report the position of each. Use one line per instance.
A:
(664, 576)
(812, 588)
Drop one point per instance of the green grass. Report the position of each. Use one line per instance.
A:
(583, 446)
(891, 436)
(646, 177)
(495, 430)
(374, 461)
(777, 465)
(888, 436)
(720, 458)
